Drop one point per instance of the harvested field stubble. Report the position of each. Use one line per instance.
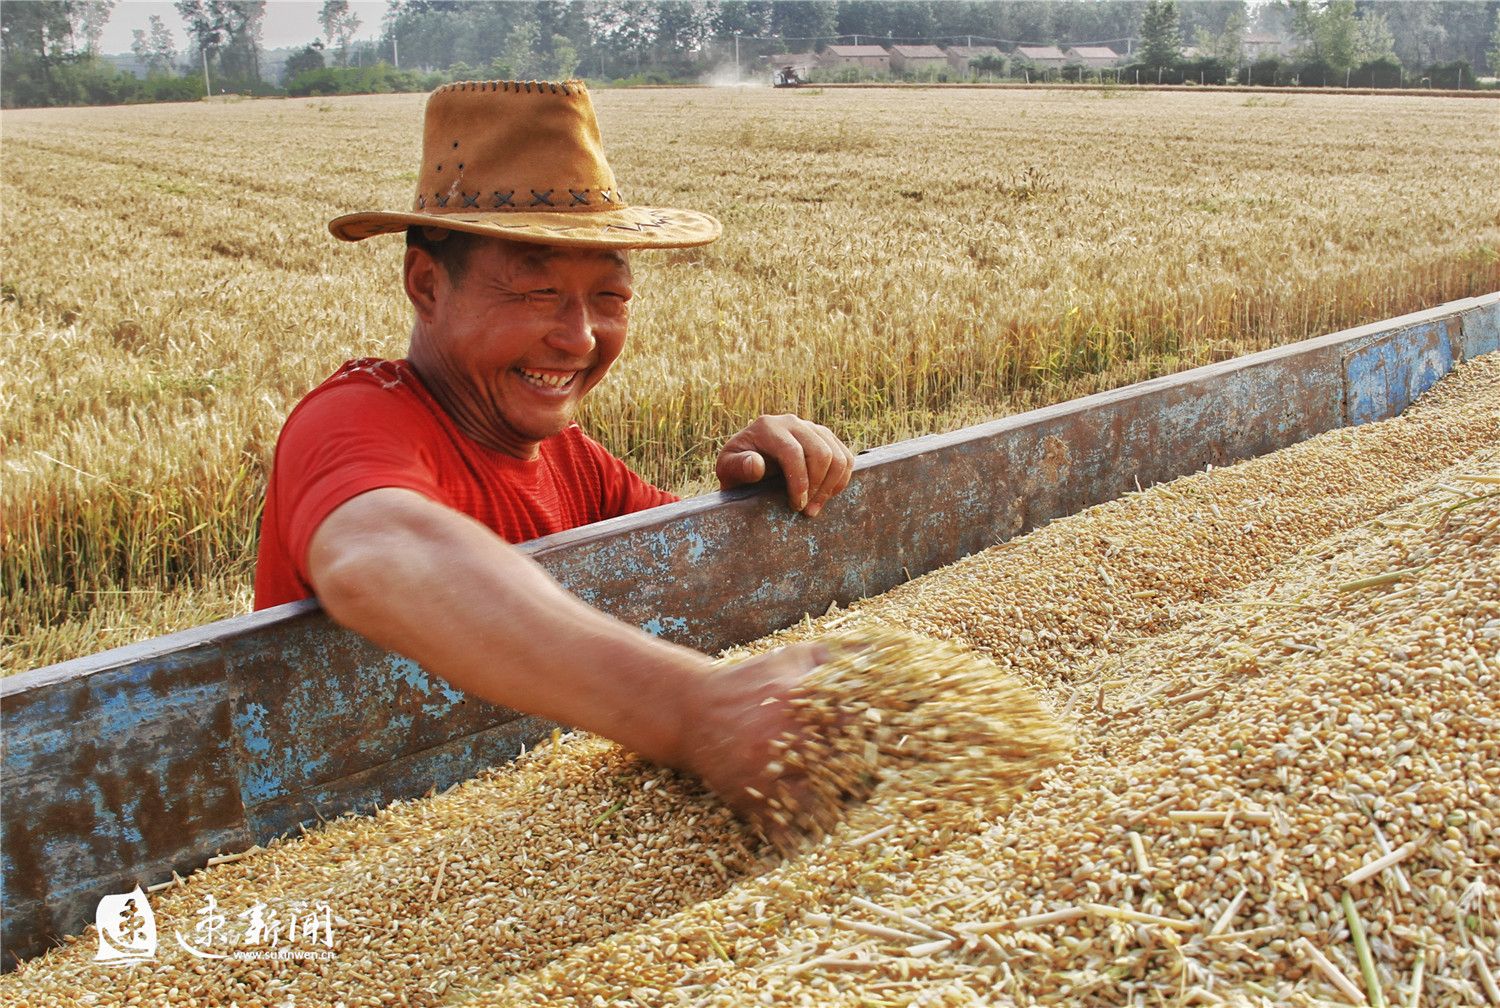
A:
(1282, 676)
(894, 263)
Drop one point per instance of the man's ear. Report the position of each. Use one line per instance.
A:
(421, 274)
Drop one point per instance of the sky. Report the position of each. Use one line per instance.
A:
(287, 22)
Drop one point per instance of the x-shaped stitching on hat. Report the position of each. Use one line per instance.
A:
(541, 198)
(504, 199)
(605, 193)
(470, 201)
(578, 197)
(442, 200)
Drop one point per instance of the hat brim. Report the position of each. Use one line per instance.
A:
(624, 228)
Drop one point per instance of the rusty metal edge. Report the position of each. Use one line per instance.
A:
(238, 626)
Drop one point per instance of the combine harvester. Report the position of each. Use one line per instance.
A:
(125, 767)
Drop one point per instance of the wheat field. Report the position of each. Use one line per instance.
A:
(895, 262)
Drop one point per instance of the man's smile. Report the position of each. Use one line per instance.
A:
(548, 380)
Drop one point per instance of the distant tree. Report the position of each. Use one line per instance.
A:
(990, 66)
(522, 53)
(1375, 42)
(157, 52)
(339, 25)
(1226, 47)
(564, 58)
(228, 31)
(624, 32)
(1494, 54)
(161, 47)
(683, 28)
(742, 17)
(804, 19)
(1161, 34)
(90, 17)
(1274, 18)
(304, 60)
(1329, 33)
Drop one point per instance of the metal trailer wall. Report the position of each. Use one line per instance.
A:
(122, 767)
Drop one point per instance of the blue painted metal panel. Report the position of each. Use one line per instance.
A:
(118, 774)
(1481, 329)
(1386, 374)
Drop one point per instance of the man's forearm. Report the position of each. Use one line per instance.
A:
(443, 590)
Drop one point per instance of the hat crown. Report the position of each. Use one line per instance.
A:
(501, 146)
(523, 161)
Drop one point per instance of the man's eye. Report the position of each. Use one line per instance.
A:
(542, 293)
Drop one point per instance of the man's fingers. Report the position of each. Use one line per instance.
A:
(836, 477)
(813, 456)
(738, 468)
(815, 463)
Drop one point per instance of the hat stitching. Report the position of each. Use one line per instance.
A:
(541, 198)
(421, 202)
(442, 200)
(470, 201)
(541, 87)
(504, 199)
(579, 197)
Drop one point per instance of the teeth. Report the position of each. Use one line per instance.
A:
(551, 381)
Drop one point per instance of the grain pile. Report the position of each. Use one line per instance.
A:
(1277, 673)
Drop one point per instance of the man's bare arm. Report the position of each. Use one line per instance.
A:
(440, 588)
(437, 586)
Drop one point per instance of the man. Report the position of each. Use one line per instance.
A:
(399, 486)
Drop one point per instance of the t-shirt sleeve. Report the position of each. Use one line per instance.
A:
(625, 492)
(339, 444)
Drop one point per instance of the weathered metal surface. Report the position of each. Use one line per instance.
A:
(1387, 373)
(1481, 329)
(123, 766)
(123, 774)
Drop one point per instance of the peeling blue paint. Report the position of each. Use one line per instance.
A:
(250, 723)
(260, 784)
(1481, 330)
(410, 673)
(664, 624)
(1386, 375)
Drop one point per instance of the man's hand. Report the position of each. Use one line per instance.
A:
(732, 716)
(814, 461)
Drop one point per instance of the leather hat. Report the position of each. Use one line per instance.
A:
(523, 160)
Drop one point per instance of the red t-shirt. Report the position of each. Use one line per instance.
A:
(373, 424)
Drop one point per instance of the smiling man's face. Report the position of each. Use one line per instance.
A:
(510, 350)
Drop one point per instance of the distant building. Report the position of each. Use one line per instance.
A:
(1094, 57)
(1042, 57)
(1260, 45)
(873, 58)
(961, 56)
(916, 58)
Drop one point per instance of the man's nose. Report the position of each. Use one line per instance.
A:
(573, 328)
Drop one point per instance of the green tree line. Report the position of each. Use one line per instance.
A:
(51, 54)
